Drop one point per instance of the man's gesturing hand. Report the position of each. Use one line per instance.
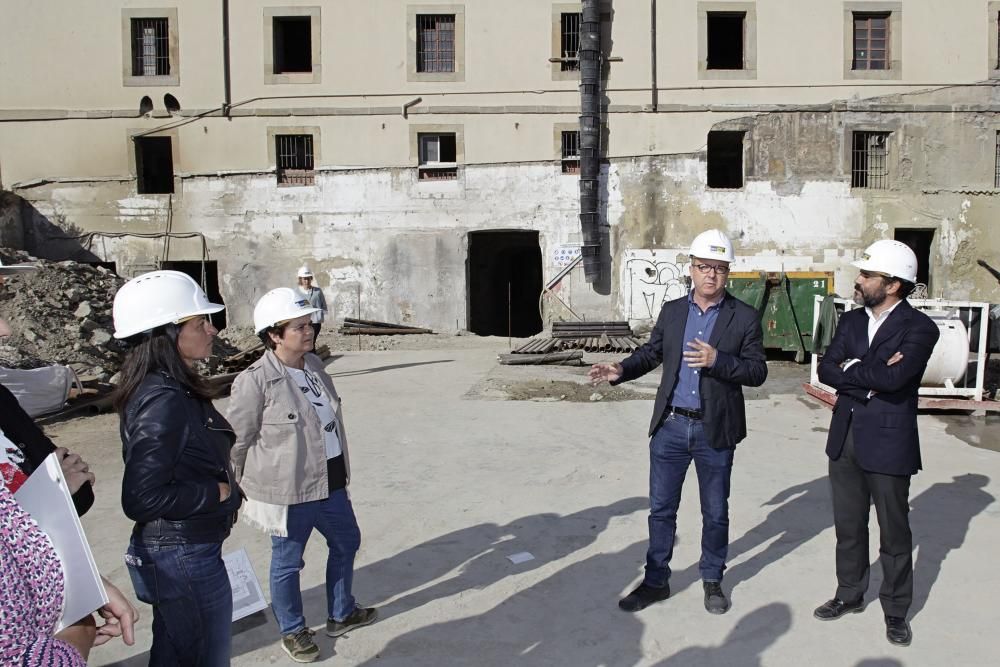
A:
(701, 354)
(609, 372)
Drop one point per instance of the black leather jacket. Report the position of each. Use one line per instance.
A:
(35, 446)
(176, 450)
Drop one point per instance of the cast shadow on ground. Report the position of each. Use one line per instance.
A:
(569, 618)
(939, 520)
(801, 512)
(393, 367)
(464, 560)
(745, 643)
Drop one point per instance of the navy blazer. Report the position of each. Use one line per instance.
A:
(885, 425)
(739, 342)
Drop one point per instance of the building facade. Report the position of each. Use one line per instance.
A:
(423, 158)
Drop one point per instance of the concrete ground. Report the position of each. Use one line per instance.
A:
(449, 479)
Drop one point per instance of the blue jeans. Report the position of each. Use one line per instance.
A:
(192, 601)
(334, 519)
(677, 442)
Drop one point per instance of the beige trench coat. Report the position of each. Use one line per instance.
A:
(280, 454)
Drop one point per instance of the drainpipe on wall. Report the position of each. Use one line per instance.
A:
(652, 55)
(590, 137)
(227, 92)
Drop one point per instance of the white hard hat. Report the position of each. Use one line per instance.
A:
(893, 258)
(157, 298)
(279, 305)
(713, 244)
(304, 272)
(14, 269)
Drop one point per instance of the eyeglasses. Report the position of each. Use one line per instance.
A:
(704, 269)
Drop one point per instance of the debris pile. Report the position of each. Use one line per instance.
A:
(60, 313)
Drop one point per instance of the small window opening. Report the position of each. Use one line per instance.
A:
(145, 105)
(150, 47)
(295, 159)
(871, 41)
(292, 44)
(154, 165)
(437, 157)
(569, 42)
(870, 160)
(571, 152)
(725, 40)
(171, 104)
(725, 159)
(435, 42)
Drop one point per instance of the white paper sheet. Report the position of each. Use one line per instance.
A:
(247, 594)
(46, 497)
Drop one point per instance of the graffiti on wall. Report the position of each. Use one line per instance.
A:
(652, 277)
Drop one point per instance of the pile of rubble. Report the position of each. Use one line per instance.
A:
(60, 313)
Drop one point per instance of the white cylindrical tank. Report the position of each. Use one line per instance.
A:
(950, 359)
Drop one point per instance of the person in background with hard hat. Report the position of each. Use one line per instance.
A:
(314, 296)
(875, 362)
(178, 484)
(291, 460)
(710, 345)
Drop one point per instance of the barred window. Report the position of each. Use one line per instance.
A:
(870, 160)
(294, 154)
(569, 42)
(871, 41)
(435, 42)
(437, 156)
(571, 152)
(150, 47)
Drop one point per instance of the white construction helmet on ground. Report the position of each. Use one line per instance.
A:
(713, 244)
(157, 298)
(893, 258)
(279, 305)
(304, 272)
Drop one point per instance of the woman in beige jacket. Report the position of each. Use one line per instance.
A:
(290, 459)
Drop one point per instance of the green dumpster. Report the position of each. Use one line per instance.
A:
(785, 303)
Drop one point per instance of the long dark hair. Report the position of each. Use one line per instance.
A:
(154, 352)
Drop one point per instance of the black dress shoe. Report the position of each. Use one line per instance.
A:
(835, 608)
(897, 631)
(642, 597)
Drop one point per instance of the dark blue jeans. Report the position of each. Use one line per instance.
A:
(677, 442)
(192, 601)
(334, 519)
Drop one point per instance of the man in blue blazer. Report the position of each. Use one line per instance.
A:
(875, 362)
(710, 344)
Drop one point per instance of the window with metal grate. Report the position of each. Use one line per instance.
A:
(294, 153)
(569, 42)
(150, 47)
(571, 152)
(435, 42)
(870, 160)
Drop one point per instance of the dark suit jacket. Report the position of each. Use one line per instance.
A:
(21, 429)
(884, 426)
(739, 341)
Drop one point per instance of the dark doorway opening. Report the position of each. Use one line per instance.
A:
(725, 40)
(502, 263)
(920, 241)
(725, 159)
(154, 165)
(209, 281)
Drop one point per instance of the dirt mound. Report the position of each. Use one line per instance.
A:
(60, 313)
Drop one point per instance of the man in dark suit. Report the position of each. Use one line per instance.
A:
(710, 344)
(875, 362)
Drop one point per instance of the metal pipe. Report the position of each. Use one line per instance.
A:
(227, 102)
(652, 55)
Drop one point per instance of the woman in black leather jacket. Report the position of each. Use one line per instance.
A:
(178, 484)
